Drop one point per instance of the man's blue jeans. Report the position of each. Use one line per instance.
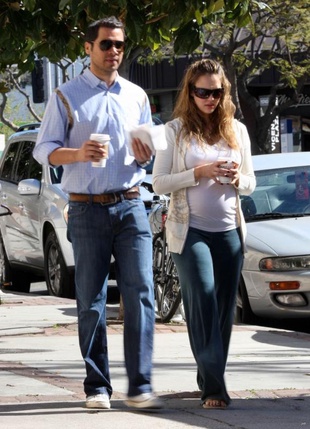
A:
(97, 231)
(209, 271)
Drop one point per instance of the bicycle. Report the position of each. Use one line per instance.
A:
(166, 280)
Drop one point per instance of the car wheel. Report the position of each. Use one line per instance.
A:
(59, 281)
(10, 280)
(244, 313)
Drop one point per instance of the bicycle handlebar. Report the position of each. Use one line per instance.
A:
(148, 187)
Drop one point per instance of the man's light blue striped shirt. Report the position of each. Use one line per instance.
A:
(96, 108)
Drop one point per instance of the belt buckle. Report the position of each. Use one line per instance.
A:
(115, 199)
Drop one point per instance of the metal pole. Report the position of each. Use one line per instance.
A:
(47, 79)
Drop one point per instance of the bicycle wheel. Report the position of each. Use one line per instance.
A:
(171, 291)
(158, 255)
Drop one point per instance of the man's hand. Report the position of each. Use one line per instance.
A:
(91, 150)
(142, 152)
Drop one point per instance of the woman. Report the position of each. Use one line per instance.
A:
(205, 226)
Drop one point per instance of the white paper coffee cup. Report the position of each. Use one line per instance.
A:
(104, 140)
(227, 164)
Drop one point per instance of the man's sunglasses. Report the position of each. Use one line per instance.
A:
(206, 93)
(106, 45)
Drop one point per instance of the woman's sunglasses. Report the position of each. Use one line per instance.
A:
(106, 45)
(206, 93)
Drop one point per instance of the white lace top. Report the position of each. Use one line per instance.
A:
(213, 207)
(171, 175)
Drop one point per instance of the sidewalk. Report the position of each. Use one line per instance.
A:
(41, 374)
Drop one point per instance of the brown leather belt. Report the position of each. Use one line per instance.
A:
(113, 197)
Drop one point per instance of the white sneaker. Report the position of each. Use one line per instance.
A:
(145, 400)
(102, 400)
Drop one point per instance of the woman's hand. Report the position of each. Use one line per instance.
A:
(210, 171)
(214, 171)
(235, 175)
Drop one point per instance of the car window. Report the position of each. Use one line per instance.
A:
(27, 166)
(284, 190)
(35, 170)
(19, 163)
(56, 174)
(281, 176)
(9, 161)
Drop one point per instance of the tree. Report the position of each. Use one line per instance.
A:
(54, 29)
(280, 41)
(33, 29)
(229, 30)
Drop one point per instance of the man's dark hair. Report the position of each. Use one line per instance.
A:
(109, 22)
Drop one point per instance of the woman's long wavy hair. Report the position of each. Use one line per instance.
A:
(218, 124)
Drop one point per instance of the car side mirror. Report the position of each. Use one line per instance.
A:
(29, 187)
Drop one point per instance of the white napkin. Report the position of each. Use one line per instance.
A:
(154, 137)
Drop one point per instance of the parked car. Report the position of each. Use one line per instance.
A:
(275, 281)
(33, 239)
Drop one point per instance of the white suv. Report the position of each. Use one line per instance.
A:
(33, 239)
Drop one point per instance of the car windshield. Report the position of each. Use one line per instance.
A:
(282, 192)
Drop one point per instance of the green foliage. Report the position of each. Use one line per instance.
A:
(279, 37)
(54, 29)
(184, 44)
(135, 25)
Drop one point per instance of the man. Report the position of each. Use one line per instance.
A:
(106, 214)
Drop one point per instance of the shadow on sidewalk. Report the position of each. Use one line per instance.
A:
(283, 338)
(180, 410)
(70, 311)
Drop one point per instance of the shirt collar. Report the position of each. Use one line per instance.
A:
(95, 81)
